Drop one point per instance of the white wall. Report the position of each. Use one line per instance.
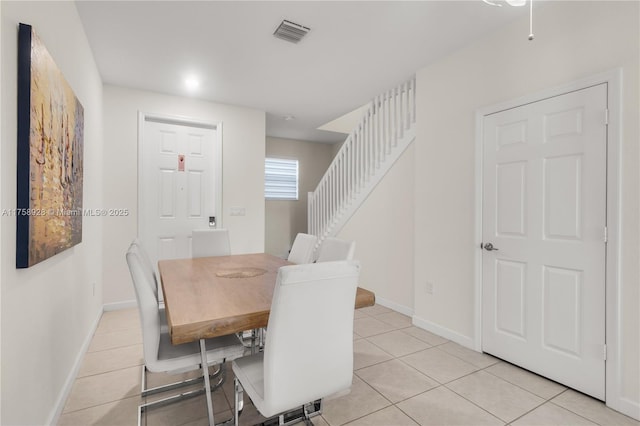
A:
(1, 143)
(284, 219)
(50, 309)
(346, 123)
(573, 40)
(243, 150)
(383, 231)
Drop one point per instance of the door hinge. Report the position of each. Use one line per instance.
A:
(606, 235)
(604, 352)
(606, 116)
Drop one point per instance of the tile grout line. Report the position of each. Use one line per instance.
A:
(97, 332)
(439, 385)
(107, 372)
(431, 345)
(100, 405)
(403, 329)
(442, 385)
(523, 388)
(570, 410)
(544, 401)
(113, 347)
(365, 415)
(382, 349)
(550, 401)
(407, 414)
(484, 409)
(533, 409)
(470, 363)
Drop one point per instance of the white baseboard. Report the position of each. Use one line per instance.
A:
(119, 305)
(394, 306)
(68, 384)
(625, 406)
(454, 336)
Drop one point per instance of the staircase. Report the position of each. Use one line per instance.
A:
(385, 130)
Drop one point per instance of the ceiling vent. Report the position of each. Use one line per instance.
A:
(290, 31)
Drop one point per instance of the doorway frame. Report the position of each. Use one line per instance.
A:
(185, 121)
(613, 78)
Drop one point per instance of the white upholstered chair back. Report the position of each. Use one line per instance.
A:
(316, 298)
(333, 249)
(148, 307)
(210, 242)
(302, 249)
(146, 265)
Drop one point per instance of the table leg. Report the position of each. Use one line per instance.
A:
(207, 385)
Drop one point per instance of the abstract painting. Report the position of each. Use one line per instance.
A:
(50, 151)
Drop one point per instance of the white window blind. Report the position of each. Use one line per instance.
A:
(280, 179)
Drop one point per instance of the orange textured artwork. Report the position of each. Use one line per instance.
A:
(55, 160)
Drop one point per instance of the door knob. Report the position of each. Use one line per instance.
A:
(489, 247)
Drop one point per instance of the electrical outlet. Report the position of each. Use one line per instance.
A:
(429, 287)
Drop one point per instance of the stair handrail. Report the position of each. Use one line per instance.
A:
(383, 123)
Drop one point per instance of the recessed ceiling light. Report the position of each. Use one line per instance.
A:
(289, 117)
(191, 83)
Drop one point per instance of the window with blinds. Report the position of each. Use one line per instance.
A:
(280, 179)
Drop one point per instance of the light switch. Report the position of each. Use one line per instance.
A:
(237, 211)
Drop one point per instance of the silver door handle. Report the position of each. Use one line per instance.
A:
(490, 247)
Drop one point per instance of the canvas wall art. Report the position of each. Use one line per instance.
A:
(50, 155)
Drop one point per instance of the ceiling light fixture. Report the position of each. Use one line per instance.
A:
(517, 3)
(288, 117)
(191, 83)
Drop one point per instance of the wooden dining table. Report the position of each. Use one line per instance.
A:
(217, 296)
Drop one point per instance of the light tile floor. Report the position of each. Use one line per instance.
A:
(403, 376)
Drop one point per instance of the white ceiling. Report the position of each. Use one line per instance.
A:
(354, 51)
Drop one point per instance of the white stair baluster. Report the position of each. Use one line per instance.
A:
(385, 130)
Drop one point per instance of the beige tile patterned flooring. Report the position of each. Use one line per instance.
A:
(403, 376)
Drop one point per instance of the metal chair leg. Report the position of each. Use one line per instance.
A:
(184, 383)
(163, 388)
(238, 400)
(297, 415)
(217, 380)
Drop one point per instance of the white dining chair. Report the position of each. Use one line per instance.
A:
(302, 249)
(333, 249)
(160, 355)
(210, 242)
(287, 375)
(149, 270)
(151, 279)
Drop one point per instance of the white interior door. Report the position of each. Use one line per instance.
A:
(544, 216)
(179, 187)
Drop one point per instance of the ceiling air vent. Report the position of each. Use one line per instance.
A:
(290, 31)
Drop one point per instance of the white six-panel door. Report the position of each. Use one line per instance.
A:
(177, 186)
(544, 215)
